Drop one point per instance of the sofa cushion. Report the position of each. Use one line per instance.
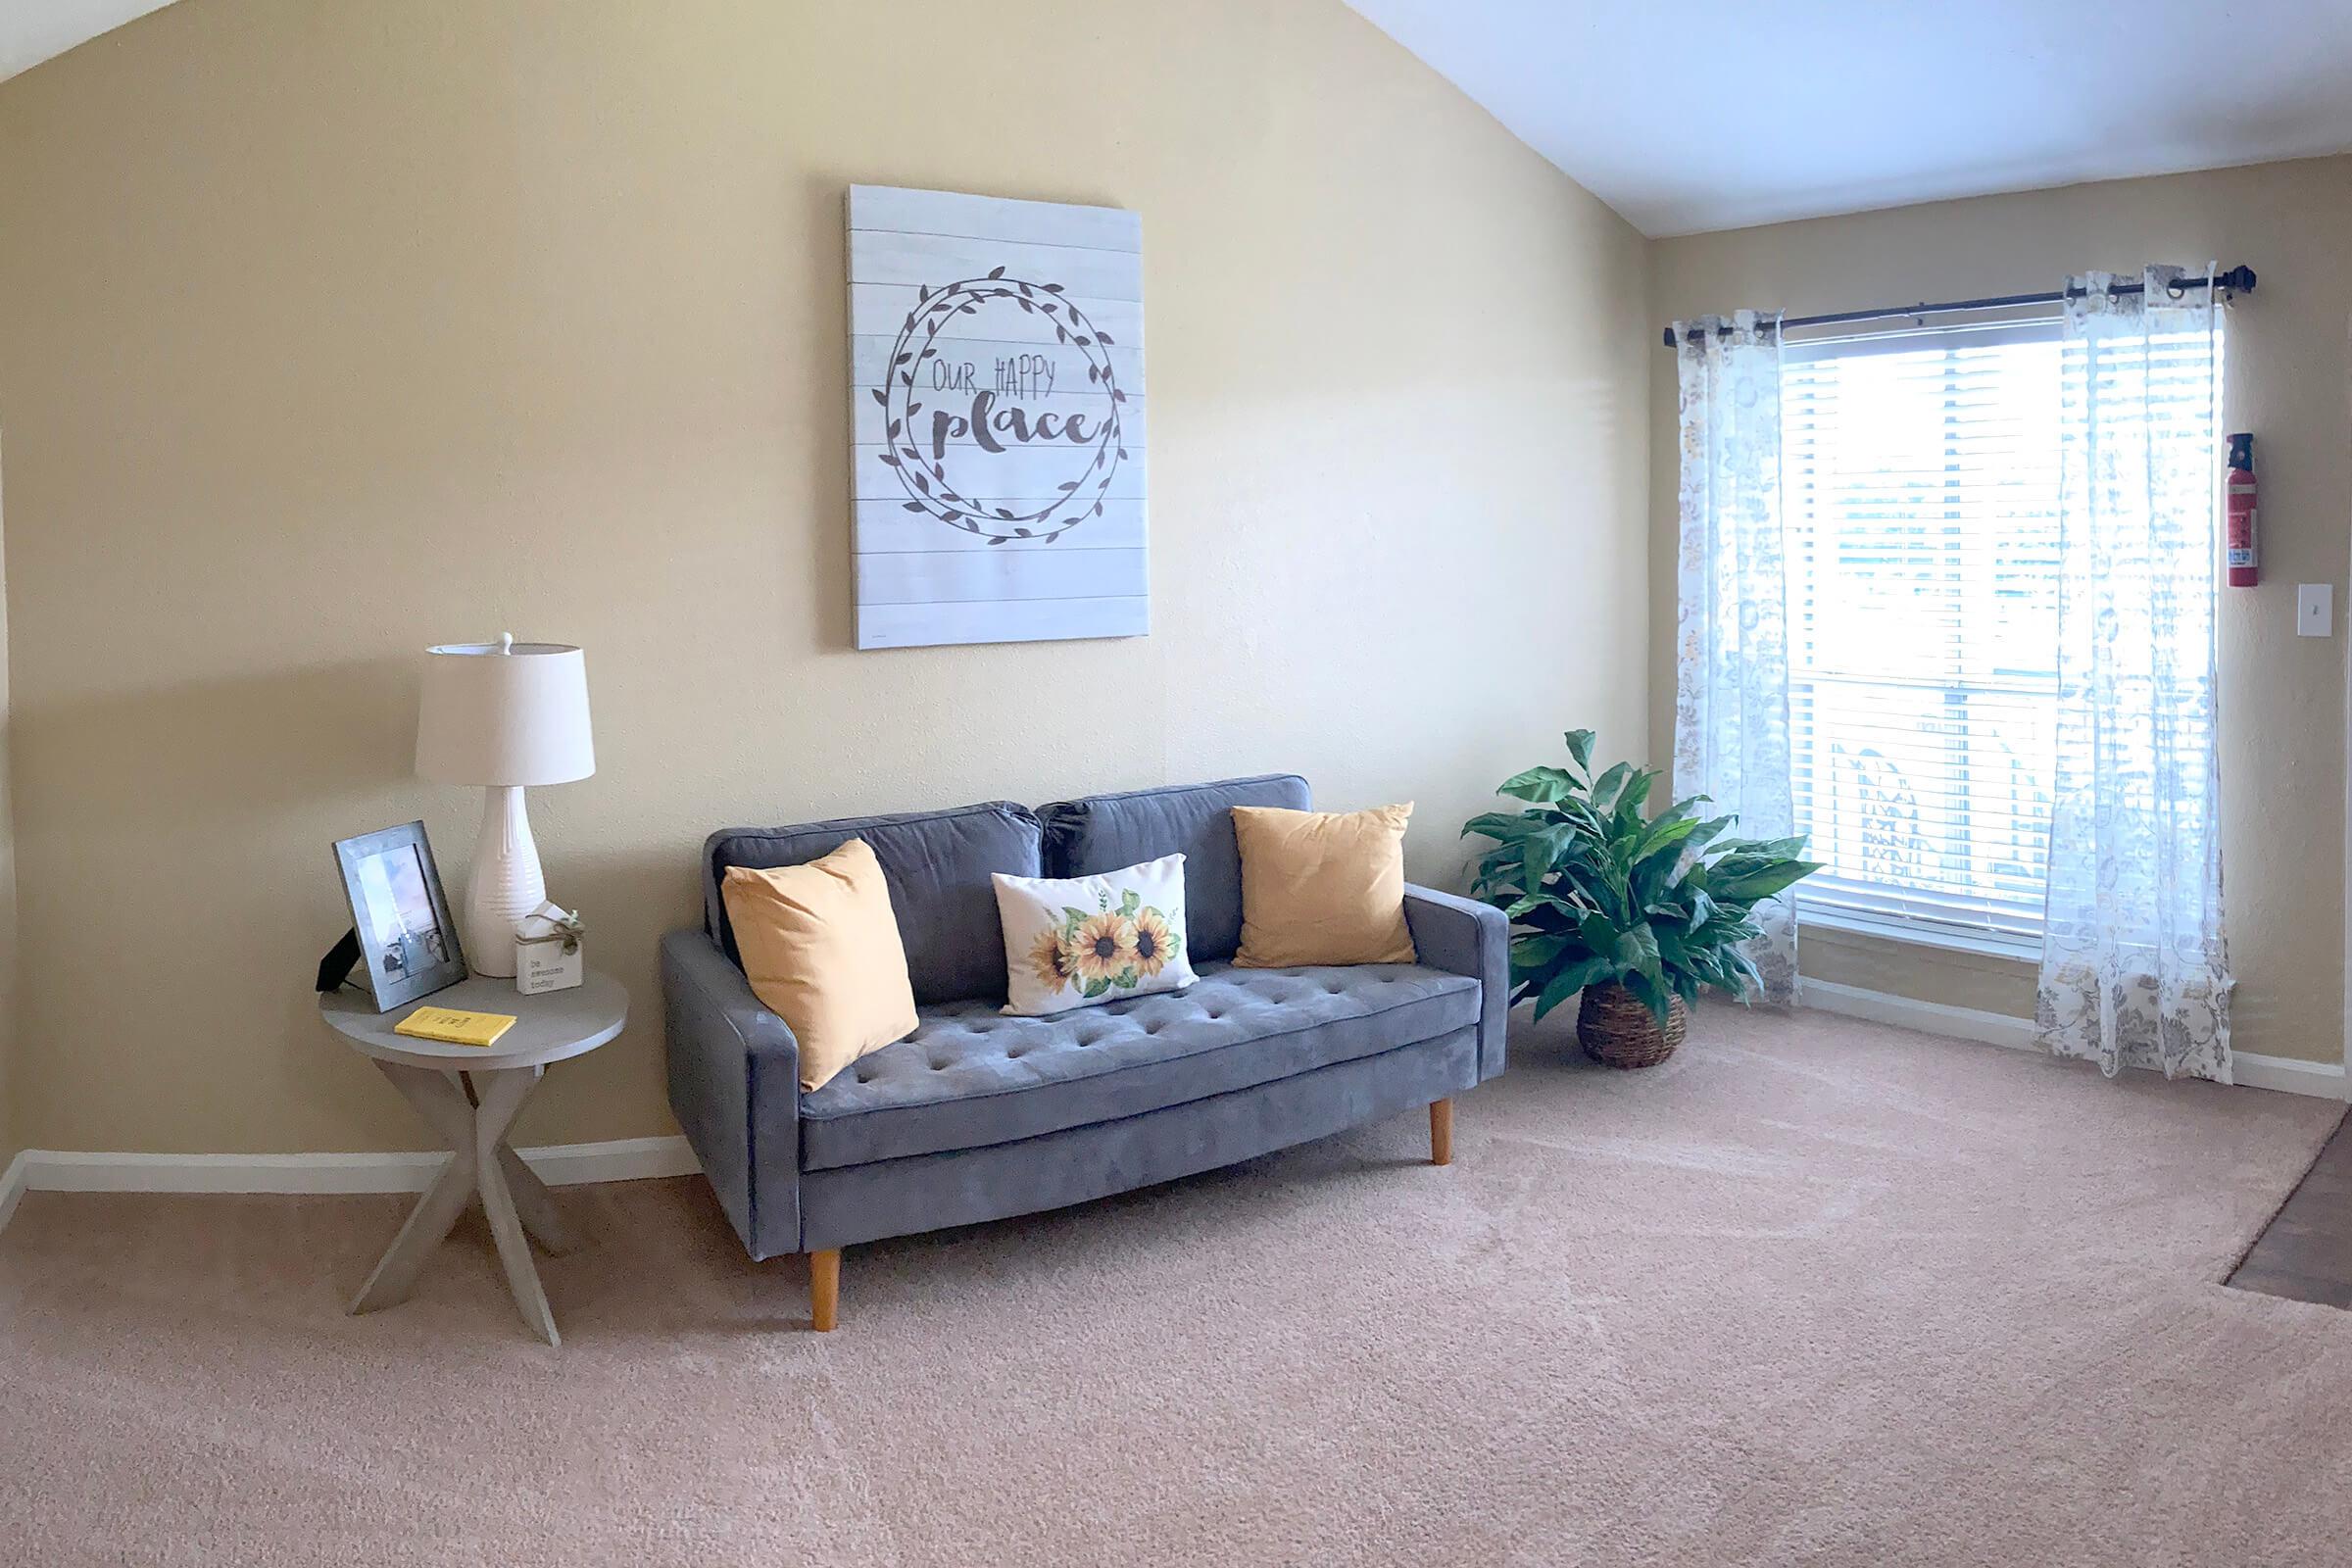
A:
(938, 866)
(822, 951)
(1081, 941)
(1103, 832)
(969, 1077)
(1322, 886)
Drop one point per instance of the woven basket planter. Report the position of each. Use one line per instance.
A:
(1617, 1031)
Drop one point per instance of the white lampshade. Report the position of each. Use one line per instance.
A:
(505, 712)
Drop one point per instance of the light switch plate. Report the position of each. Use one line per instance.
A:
(2315, 610)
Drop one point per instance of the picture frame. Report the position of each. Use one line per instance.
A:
(408, 940)
(996, 406)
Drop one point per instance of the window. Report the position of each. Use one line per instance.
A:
(1921, 489)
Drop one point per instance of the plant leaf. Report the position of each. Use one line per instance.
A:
(1508, 826)
(1609, 786)
(1666, 831)
(1572, 979)
(1534, 954)
(1766, 881)
(1635, 795)
(1638, 949)
(1543, 785)
(1541, 851)
(1532, 902)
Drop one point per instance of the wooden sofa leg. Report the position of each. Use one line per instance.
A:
(1440, 1132)
(824, 1289)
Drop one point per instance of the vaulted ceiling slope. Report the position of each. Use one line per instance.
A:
(1687, 116)
(34, 30)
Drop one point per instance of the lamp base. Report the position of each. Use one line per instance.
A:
(504, 883)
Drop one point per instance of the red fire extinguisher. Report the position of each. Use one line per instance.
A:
(2245, 568)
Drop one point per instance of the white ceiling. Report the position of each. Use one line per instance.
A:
(34, 30)
(1693, 114)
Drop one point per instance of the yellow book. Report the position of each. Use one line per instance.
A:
(457, 1028)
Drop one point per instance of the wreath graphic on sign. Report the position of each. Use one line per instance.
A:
(925, 477)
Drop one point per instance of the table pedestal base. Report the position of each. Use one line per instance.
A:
(472, 1112)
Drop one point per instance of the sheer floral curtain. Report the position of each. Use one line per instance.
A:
(2135, 970)
(1730, 711)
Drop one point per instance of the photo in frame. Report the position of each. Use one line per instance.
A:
(408, 942)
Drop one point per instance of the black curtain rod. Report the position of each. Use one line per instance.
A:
(2236, 281)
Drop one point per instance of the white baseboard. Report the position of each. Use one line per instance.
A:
(2285, 1074)
(43, 1170)
(2288, 1074)
(11, 1185)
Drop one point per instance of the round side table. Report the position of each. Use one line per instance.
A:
(471, 1095)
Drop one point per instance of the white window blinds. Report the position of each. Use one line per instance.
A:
(1921, 474)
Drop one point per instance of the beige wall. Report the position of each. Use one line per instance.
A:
(327, 331)
(2282, 697)
(13, 1135)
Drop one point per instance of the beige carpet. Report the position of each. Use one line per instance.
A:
(1815, 1291)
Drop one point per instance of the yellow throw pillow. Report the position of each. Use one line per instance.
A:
(821, 948)
(1322, 886)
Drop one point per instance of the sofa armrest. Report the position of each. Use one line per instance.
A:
(1462, 936)
(735, 1088)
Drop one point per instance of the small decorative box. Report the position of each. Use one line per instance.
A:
(547, 951)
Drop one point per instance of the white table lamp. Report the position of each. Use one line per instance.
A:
(503, 714)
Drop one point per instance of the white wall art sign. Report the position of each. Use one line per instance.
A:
(997, 377)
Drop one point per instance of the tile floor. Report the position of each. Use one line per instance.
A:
(2305, 1253)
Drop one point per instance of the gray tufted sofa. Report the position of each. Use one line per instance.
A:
(978, 1116)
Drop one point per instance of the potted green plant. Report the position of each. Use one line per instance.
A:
(1637, 911)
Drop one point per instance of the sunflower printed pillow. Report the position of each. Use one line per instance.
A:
(1075, 941)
